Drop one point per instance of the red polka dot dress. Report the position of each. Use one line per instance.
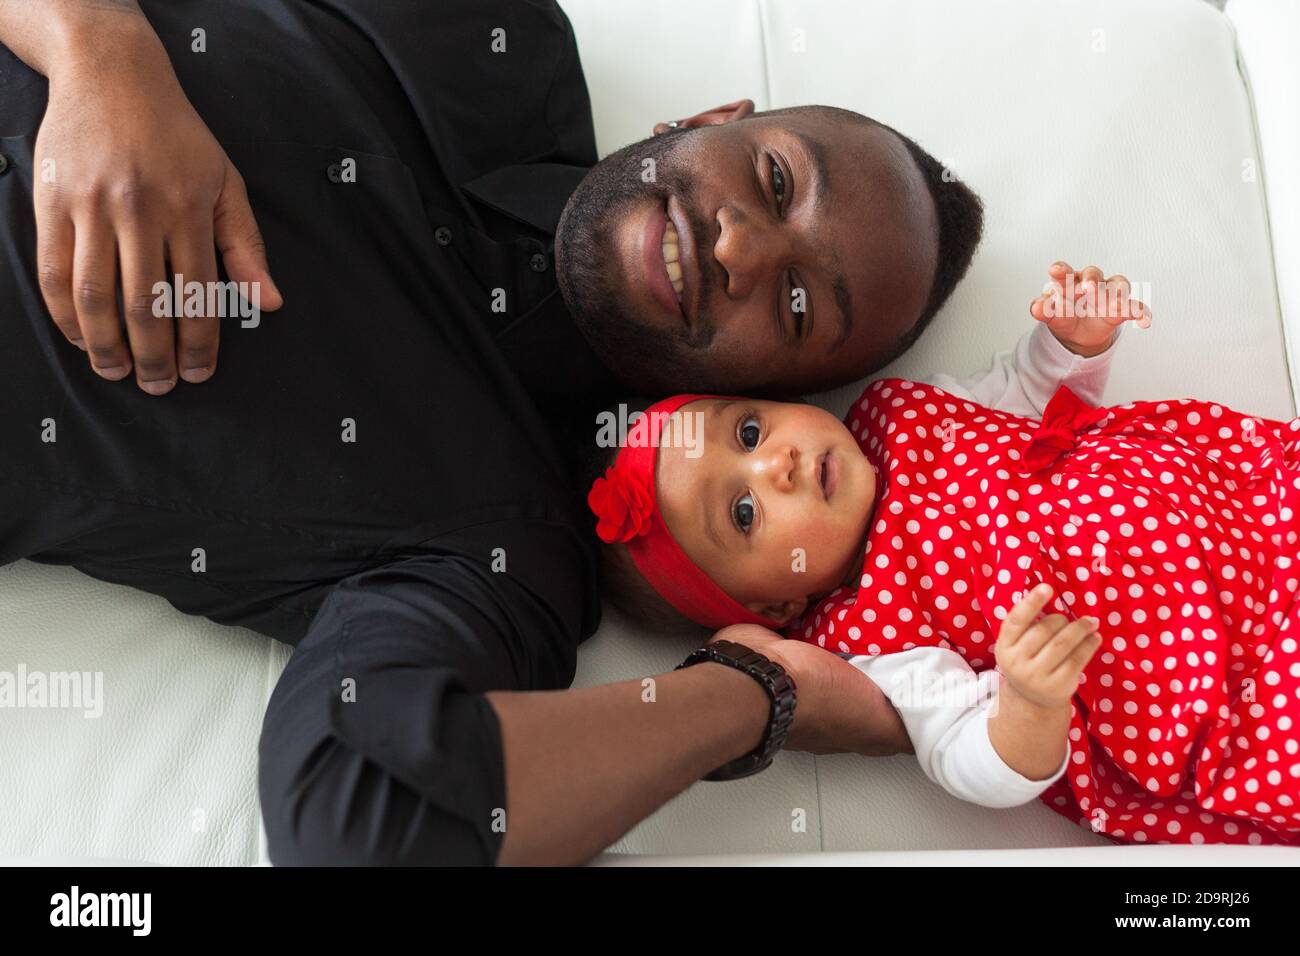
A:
(1174, 523)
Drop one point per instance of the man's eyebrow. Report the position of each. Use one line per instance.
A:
(817, 158)
(821, 186)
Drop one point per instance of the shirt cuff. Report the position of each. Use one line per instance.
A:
(1001, 776)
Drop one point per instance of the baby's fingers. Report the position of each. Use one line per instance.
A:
(1120, 306)
(1065, 642)
(1140, 313)
(1078, 659)
(1059, 270)
(1042, 309)
(1022, 616)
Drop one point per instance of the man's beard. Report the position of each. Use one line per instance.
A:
(642, 355)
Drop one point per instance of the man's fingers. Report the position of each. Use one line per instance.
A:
(242, 250)
(94, 296)
(55, 241)
(1023, 613)
(151, 335)
(194, 257)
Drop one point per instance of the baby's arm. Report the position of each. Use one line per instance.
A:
(1023, 380)
(946, 709)
(1069, 346)
(995, 739)
(1041, 661)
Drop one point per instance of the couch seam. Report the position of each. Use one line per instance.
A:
(1243, 72)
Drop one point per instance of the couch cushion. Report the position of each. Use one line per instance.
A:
(167, 769)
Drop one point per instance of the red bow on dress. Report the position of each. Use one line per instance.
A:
(1065, 417)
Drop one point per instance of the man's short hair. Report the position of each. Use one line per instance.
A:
(960, 212)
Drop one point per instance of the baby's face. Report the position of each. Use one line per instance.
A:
(771, 502)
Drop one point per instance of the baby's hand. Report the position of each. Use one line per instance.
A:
(1083, 308)
(1043, 659)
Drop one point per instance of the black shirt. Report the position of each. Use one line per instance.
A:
(368, 474)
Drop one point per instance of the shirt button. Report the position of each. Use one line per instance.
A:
(4, 164)
(538, 262)
(443, 236)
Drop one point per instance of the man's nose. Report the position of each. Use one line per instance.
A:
(776, 466)
(747, 248)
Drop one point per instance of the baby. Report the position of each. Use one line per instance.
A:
(1158, 701)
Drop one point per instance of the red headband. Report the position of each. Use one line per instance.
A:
(626, 503)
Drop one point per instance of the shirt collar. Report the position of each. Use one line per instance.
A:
(531, 193)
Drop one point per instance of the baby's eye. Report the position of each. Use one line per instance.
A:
(750, 432)
(742, 512)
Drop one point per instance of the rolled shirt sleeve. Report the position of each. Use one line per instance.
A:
(378, 746)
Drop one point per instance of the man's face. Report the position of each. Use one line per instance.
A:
(806, 247)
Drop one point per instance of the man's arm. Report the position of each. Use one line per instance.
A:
(400, 731)
(130, 189)
(584, 766)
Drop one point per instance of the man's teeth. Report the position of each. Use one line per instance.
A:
(672, 259)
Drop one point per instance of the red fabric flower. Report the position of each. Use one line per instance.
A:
(1065, 417)
(623, 503)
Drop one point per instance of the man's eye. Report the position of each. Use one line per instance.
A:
(778, 183)
(798, 305)
(742, 512)
(750, 432)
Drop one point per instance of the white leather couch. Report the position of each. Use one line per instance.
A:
(1158, 138)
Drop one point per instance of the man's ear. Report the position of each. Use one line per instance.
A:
(728, 113)
(780, 613)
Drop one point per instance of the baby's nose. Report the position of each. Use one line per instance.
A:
(778, 466)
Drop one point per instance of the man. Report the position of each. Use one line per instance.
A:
(369, 475)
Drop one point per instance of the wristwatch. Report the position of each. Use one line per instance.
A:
(780, 691)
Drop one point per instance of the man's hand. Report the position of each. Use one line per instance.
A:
(1042, 660)
(130, 189)
(839, 709)
(1083, 308)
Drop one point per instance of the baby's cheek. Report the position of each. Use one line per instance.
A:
(809, 553)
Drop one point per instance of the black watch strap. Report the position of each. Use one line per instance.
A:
(780, 691)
